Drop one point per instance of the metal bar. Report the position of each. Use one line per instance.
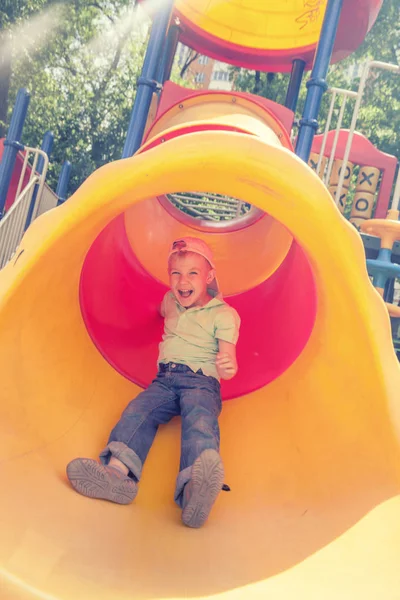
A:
(12, 225)
(377, 64)
(396, 193)
(22, 176)
(209, 196)
(228, 212)
(343, 92)
(335, 141)
(47, 144)
(35, 162)
(360, 93)
(334, 91)
(12, 145)
(221, 211)
(20, 219)
(388, 294)
(327, 126)
(170, 49)
(239, 209)
(31, 184)
(7, 235)
(63, 181)
(317, 83)
(296, 76)
(148, 83)
(38, 191)
(199, 195)
(7, 238)
(195, 212)
(9, 213)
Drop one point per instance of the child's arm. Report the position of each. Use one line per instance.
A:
(226, 362)
(161, 307)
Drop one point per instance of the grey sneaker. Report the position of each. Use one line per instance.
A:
(92, 479)
(203, 488)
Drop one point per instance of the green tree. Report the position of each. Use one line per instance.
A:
(12, 14)
(268, 85)
(82, 80)
(379, 117)
(80, 60)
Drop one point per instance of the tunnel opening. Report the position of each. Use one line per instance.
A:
(263, 273)
(209, 211)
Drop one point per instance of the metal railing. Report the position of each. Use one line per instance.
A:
(396, 193)
(360, 93)
(344, 95)
(208, 206)
(47, 201)
(12, 226)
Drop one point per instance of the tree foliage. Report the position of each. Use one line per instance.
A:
(80, 60)
(379, 117)
(82, 80)
(12, 12)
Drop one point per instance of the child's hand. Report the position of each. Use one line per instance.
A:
(226, 365)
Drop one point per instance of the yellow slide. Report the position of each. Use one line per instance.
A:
(311, 456)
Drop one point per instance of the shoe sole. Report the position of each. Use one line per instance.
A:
(206, 480)
(90, 479)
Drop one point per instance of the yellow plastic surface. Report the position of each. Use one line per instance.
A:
(313, 459)
(260, 248)
(387, 229)
(272, 24)
(222, 109)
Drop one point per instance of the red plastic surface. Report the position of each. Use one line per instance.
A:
(363, 153)
(119, 302)
(173, 94)
(12, 190)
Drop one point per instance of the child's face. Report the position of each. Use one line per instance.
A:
(189, 276)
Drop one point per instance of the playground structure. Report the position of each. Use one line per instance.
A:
(24, 194)
(375, 168)
(310, 446)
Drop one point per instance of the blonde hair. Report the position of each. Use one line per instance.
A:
(183, 252)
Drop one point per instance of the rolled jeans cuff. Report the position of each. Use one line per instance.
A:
(123, 453)
(182, 479)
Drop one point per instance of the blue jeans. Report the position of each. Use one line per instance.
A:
(177, 390)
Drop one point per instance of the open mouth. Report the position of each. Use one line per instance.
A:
(185, 293)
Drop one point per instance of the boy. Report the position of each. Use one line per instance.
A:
(198, 348)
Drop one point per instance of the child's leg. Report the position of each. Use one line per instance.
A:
(91, 479)
(133, 435)
(201, 471)
(115, 462)
(127, 448)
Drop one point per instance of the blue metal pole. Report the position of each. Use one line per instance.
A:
(47, 145)
(12, 144)
(317, 83)
(147, 82)
(169, 51)
(63, 182)
(388, 294)
(296, 76)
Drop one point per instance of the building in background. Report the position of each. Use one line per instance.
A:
(203, 72)
(221, 77)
